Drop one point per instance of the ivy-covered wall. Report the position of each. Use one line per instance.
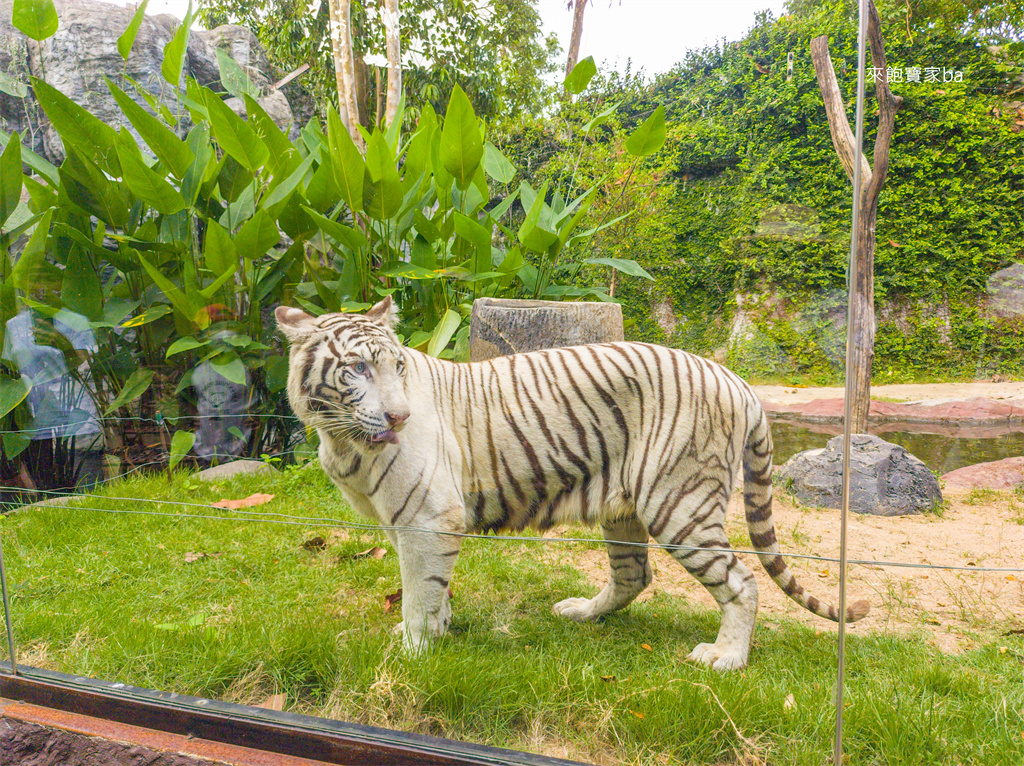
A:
(743, 218)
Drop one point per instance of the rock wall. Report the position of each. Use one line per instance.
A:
(84, 51)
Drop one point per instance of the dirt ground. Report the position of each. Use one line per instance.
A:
(910, 392)
(955, 609)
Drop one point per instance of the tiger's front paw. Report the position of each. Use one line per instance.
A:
(718, 658)
(579, 609)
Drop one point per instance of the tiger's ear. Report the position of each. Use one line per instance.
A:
(294, 323)
(384, 313)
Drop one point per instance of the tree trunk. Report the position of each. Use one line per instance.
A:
(861, 312)
(500, 326)
(344, 66)
(392, 33)
(577, 34)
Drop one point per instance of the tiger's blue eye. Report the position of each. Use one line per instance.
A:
(359, 367)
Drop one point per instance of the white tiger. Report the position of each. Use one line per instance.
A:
(641, 439)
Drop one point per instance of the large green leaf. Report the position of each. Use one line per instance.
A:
(351, 238)
(37, 19)
(257, 236)
(147, 184)
(25, 274)
(577, 80)
(12, 87)
(136, 385)
(235, 135)
(12, 393)
(218, 249)
(149, 315)
(348, 164)
(181, 445)
(174, 51)
(233, 77)
(82, 291)
(10, 178)
(443, 332)
(535, 232)
(284, 158)
(33, 160)
(479, 239)
(78, 129)
(127, 39)
(230, 367)
(462, 146)
(649, 137)
(626, 266)
(158, 137)
(89, 187)
(382, 188)
(186, 306)
(188, 343)
(497, 165)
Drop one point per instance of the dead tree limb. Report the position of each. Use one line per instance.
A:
(862, 310)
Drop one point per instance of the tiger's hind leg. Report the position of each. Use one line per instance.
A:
(630, 572)
(696, 525)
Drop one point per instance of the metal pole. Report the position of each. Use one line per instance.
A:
(848, 409)
(7, 610)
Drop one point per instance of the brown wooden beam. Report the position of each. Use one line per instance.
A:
(317, 739)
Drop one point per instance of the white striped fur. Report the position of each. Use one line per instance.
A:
(645, 441)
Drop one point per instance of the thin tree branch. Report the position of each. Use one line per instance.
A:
(835, 110)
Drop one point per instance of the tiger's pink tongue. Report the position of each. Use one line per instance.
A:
(387, 436)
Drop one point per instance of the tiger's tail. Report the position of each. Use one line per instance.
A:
(757, 495)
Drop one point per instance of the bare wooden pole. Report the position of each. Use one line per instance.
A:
(393, 37)
(861, 313)
(577, 35)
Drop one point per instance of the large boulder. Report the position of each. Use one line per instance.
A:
(885, 480)
(1004, 474)
(83, 52)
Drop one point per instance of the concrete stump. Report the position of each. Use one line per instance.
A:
(500, 326)
(885, 479)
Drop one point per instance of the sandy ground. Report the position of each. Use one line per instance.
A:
(911, 392)
(953, 609)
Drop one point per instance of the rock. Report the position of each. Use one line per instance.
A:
(501, 326)
(665, 315)
(84, 51)
(973, 411)
(999, 474)
(1006, 292)
(233, 469)
(885, 480)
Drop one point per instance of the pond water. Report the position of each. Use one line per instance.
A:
(941, 448)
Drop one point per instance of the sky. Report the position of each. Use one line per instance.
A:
(653, 34)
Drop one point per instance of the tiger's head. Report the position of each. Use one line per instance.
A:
(346, 374)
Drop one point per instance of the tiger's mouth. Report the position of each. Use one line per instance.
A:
(383, 436)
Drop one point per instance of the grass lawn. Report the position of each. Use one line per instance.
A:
(127, 597)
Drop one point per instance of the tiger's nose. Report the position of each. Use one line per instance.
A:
(396, 418)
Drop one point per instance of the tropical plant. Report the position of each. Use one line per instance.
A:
(173, 248)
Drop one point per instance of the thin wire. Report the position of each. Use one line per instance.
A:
(270, 517)
(851, 332)
(167, 419)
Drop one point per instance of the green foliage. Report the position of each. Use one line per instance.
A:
(172, 250)
(748, 199)
(495, 51)
(37, 19)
